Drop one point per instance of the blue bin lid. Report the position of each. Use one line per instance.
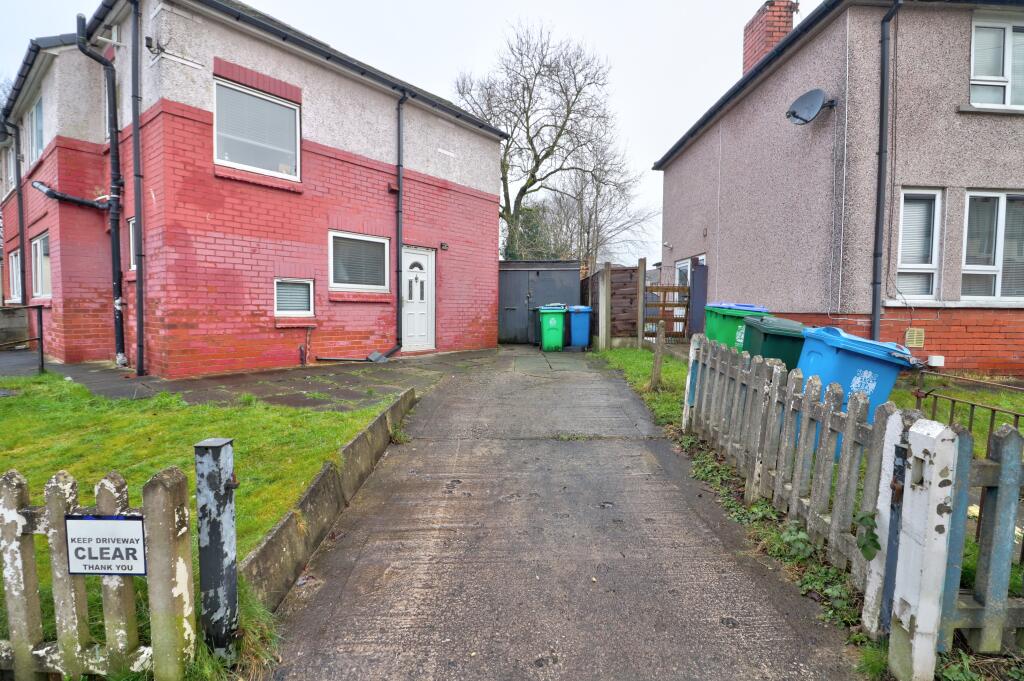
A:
(837, 338)
(738, 306)
(579, 308)
(552, 307)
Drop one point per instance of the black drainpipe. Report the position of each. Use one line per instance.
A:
(140, 255)
(883, 163)
(398, 223)
(116, 185)
(376, 356)
(16, 134)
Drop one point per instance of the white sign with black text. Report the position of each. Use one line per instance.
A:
(106, 545)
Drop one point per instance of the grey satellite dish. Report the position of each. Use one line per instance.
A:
(807, 107)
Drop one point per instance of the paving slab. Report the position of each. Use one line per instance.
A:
(492, 547)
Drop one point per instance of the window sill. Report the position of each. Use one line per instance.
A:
(970, 303)
(42, 302)
(295, 322)
(360, 297)
(255, 178)
(971, 109)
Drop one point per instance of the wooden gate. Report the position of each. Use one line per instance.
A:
(670, 304)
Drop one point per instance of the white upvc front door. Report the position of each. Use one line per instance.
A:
(417, 299)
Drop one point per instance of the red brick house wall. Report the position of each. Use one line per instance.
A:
(226, 234)
(977, 339)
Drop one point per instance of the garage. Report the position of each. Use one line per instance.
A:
(524, 285)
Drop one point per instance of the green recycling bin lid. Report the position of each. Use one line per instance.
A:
(737, 309)
(776, 325)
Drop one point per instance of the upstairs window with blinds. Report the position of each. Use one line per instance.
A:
(997, 63)
(293, 297)
(994, 247)
(256, 132)
(918, 261)
(358, 262)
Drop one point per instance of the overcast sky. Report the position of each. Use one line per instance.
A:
(670, 60)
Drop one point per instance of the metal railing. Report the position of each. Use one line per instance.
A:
(965, 412)
(38, 340)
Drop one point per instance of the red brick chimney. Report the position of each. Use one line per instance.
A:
(772, 23)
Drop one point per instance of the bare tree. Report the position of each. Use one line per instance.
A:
(594, 213)
(550, 96)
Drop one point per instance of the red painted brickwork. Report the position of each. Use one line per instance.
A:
(77, 325)
(256, 80)
(223, 240)
(215, 241)
(772, 23)
(985, 340)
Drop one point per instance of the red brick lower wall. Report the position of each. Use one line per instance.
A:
(976, 339)
(223, 237)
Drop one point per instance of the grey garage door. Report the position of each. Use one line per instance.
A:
(526, 284)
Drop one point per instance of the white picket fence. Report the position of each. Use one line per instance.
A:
(782, 435)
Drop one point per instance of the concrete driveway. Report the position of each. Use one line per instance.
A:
(538, 526)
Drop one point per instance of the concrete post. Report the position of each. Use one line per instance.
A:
(165, 503)
(20, 580)
(924, 550)
(70, 606)
(659, 349)
(641, 292)
(119, 619)
(604, 334)
(696, 369)
(218, 567)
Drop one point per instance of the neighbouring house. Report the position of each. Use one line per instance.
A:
(276, 172)
(784, 214)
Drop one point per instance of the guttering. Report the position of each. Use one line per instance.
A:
(140, 254)
(28, 61)
(20, 199)
(883, 166)
(116, 185)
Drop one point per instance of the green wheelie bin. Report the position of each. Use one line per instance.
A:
(723, 322)
(552, 327)
(774, 337)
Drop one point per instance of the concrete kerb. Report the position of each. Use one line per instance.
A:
(278, 560)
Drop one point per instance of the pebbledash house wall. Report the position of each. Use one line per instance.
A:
(216, 237)
(785, 214)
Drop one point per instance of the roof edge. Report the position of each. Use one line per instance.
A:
(35, 45)
(820, 13)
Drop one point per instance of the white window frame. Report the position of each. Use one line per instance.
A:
(683, 264)
(36, 268)
(933, 268)
(1005, 80)
(997, 268)
(340, 286)
(8, 171)
(35, 146)
(14, 275)
(297, 177)
(293, 313)
(131, 244)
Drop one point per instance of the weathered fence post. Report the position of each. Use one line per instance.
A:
(70, 605)
(604, 316)
(20, 580)
(218, 568)
(119, 619)
(659, 349)
(165, 501)
(957, 535)
(696, 369)
(924, 547)
(641, 294)
(995, 548)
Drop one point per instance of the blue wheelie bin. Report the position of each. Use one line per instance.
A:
(579, 326)
(857, 364)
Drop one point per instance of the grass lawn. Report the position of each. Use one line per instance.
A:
(53, 424)
(666, 404)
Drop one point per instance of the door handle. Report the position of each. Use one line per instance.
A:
(511, 308)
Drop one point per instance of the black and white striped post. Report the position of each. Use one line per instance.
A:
(218, 566)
